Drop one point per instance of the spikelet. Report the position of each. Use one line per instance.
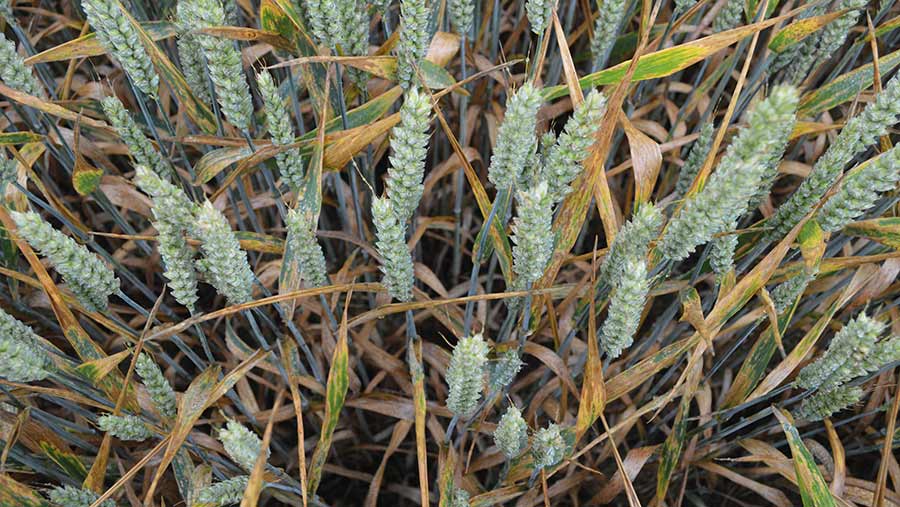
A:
(116, 33)
(70, 496)
(819, 46)
(409, 144)
(13, 71)
(413, 43)
(824, 403)
(171, 204)
(223, 262)
(349, 26)
(161, 393)
(301, 237)
(21, 357)
(511, 435)
(610, 15)
(462, 15)
(844, 357)
(174, 218)
(885, 352)
(859, 132)
(625, 307)
(222, 59)
(6, 11)
(785, 293)
(241, 444)
(336, 14)
(631, 242)
(227, 492)
(396, 263)
(317, 14)
(782, 97)
(8, 171)
(564, 161)
(124, 427)
(769, 165)
(532, 235)
(864, 360)
(721, 255)
(738, 177)
(859, 191)
(358, 39)
(695, 158)
(465, 377)
(193, 66)
(178, 258)
(278, 120)
(729, 16)
(537, 167)
(799, 56)
(88, 277)
(548, 447)
(548, 139)
(515, 138)
(458, 497)
(232, 16)
(534, 168)
(539, 14)
(504, 370)
(682, 6)
(139, 146)
(835, 33)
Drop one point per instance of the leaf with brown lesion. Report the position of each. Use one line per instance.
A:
(646, 159)
(88, 45)
(813, 489)
(204, 390)
(240, 33)
(16, 494)
(335, 393)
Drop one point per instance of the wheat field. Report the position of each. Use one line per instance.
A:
(449, 252)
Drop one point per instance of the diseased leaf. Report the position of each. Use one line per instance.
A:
(16, 494)
(86, 178)
(97, 369)
(801, 29)
(12, 138)
(593, 390)
(499, 239)
(446, 470)
(646, 159)
(50, 108)
(846, 87)
(667, 61)
(88, 45)
(335, 394)
(671, 451)
(417, 375)
(884, 230)
(70, 464)
(773, 495)
(813, 488)
(249, 34)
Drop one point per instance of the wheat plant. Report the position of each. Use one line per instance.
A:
(323, 253)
